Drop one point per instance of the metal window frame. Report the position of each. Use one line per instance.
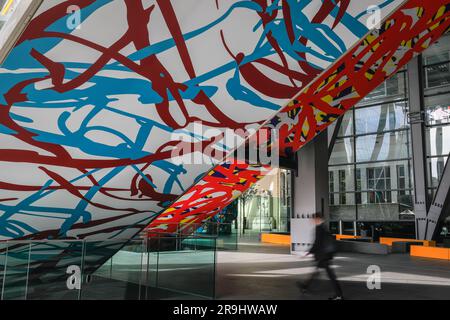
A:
(368, 162)
(359, 135)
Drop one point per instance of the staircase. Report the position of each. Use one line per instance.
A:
(378, 56)
(101, 102)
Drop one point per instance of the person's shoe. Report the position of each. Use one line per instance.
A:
(301, 286)
(336, 298)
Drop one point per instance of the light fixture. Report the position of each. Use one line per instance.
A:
(14, 17)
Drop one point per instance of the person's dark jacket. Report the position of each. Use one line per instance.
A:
(324, 246)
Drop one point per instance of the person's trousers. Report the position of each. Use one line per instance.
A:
(325, 264)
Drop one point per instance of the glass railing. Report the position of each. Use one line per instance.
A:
(225, 233)
(135, 269)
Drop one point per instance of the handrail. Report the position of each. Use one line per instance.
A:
(192, 228)
(27, 241)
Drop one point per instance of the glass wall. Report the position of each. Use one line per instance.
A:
(266, 206)
(436, 70)
(370, 168)
(370, 165)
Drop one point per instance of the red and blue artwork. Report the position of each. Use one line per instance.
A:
(89, 110)
(379, 55)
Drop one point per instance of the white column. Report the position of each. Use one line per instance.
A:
(310, 192)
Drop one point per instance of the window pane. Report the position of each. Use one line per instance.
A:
(387, 146)
(436, 62)
(346, 128)
(384, 174)
(346, 211)
(401, 178)
(358, 180)
(381, 118)
(385, 205)
(438, 52)
(437, 109)
(342, 151)
(435, 170)
(331, 187)
(343, 178)
(437, 75)
(438, 140)
(392, 89)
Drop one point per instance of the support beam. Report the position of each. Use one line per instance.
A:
(441, 202)
(333, 131)
(416, 120)
(310, 192)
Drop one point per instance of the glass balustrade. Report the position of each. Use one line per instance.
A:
(150, 266)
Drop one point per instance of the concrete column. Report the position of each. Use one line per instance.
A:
(310, 192)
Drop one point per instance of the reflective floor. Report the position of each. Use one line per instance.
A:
(259, 271)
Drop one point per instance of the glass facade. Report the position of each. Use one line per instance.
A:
(436, 70)
(369, 168)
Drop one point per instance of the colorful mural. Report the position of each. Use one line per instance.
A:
(97, 95)
(378, 56)
(215, 191)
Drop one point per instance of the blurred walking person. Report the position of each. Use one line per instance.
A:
(323, 249)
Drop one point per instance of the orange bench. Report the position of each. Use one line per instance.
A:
(430, 252)
(388, 241)
(276, 238)
(346, 236)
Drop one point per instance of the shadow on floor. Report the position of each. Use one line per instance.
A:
(270, 272)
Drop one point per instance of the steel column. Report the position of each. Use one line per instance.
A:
(416, 120)
(440, 202)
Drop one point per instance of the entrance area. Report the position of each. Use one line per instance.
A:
(266, 206)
